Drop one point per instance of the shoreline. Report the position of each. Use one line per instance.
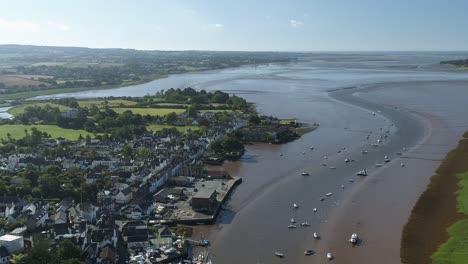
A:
(432, 213)
(373, 211)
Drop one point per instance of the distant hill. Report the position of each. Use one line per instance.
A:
(27, 70)
(458, 63)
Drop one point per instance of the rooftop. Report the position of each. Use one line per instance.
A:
(204, 193)
(10, 238)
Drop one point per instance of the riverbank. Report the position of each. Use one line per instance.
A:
(436, 210)
(31, 94)
(378, 209)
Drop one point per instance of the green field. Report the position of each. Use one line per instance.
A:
(17, 131)
(20, 109)
(286, 121)
(455, 250)
(180, 128)
(110, 103)
(148, 111)
(216, 111)
(462, 193)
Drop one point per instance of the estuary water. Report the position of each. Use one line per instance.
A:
(255, 222)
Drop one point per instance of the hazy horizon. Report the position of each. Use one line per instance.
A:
(301, 26)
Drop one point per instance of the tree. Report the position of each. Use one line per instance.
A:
(40, 253)
(231, 144)
(171, 117)
(127, 151)
(254, 119)
(19, 259)
(192, 111)
(67, 251)
(88, 139)
(220, 97)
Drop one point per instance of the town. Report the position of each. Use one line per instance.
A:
(123, 191)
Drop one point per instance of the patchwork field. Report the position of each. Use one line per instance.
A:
(20, 109)
(149, 111)
(17, 131)
(102, 103)
(19, 80)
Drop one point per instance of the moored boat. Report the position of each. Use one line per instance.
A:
(309, 252)
(279, 254)
(305, 173)
(354, 239)
(362, 172)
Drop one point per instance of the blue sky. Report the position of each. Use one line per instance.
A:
(288, 25)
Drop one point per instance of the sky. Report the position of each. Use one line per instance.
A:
(252, 25)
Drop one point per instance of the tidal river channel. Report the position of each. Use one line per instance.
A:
(336, 92)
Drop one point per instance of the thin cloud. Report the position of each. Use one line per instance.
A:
(216, 26)
(295, 23)
(58, 26)
(20, 26)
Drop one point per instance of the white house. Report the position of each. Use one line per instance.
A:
(14, 244)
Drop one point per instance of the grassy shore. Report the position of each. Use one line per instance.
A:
(31, 94)
(425, 234)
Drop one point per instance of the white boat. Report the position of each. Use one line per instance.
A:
(293, 221)
(325, 157)
(378, 164)
(375, 145)
(329, 256)
(305, 224)
(354, 239)
(305, 173)
(387, 159)
(350, 180)
(342, 186)
(364, 152)
(309, 252)
(311, 147)
(314, 210)
(332, 168)
(292, 226)
(316, 236)
(329, 194)
(347, 160)
(279, 254)
(295, 206)
(281, 154)
(402, 164)
(362, 172)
